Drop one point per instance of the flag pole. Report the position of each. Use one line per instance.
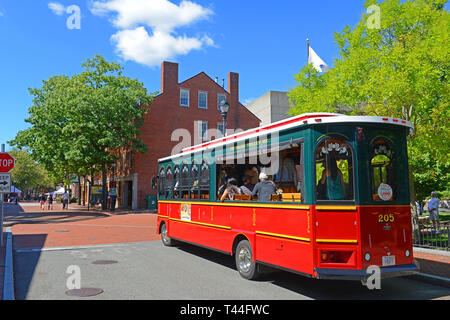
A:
(307, 55)
(307, 48)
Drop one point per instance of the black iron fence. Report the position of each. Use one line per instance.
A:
(432, 236)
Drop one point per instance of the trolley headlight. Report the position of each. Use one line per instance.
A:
(407, 253)
(367, 256)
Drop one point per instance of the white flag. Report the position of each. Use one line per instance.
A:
(317, 63)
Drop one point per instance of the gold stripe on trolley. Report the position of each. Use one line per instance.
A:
(161, 216)
(202, 224)
(282, 236)
(336, 241)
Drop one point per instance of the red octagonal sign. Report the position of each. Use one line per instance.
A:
(6, 162)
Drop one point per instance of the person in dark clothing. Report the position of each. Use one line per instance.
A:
(264, 188)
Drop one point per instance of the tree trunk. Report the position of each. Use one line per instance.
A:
(104, 188)
(84, 191)
(79, 190)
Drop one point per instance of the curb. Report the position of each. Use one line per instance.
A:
(443, 282)
(8, 281)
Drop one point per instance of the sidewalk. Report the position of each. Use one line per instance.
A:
(2, 266)
(434, 265)
(34, 207)
(30, 212)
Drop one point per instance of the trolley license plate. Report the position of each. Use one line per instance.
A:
(388, 261)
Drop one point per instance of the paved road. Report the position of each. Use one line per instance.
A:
(148, 270)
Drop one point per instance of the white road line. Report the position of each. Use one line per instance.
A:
(78, 247)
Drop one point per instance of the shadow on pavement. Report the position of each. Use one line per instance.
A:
(25, 262)
(392, 289)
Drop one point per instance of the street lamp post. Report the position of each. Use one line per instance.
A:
(224, 107)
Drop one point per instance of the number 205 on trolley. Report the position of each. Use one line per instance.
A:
(322, 195)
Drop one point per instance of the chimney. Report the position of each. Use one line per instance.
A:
(169, 76)
(233, 89)
(233, 85)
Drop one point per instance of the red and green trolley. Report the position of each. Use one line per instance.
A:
(341, 202)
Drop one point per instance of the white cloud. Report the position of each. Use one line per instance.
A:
(162, 17)
(139, 46)
(247, 101)
(57, 8)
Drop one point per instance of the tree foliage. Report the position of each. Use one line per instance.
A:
(77, 122)
(399, 70)
(27, 174)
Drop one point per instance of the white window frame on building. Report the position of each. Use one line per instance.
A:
(219, 95)
(206, 100)
(181, 97)
(202, 134)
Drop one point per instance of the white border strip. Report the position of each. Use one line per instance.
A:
(8, 281)
(93, 246)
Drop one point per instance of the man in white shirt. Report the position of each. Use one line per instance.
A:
(65, 198)
(433, 209)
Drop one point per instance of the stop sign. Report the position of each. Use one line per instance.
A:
(6, 162)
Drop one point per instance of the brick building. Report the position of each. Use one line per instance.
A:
(182, 112)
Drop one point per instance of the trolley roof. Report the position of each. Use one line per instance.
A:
(304, 119)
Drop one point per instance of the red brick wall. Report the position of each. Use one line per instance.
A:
(166, 115)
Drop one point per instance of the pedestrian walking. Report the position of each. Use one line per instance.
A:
(50, 202)
(42, 201)
(65, 200)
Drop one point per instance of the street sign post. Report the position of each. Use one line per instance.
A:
(6, 165)
(5, 187)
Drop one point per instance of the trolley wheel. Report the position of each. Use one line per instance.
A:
(244, 261)
(167, 241)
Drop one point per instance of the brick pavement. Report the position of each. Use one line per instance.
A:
(100, 230)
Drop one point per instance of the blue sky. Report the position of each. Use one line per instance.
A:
(264, 41)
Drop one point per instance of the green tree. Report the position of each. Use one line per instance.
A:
(78, 122)
(27, 175)
(400, 70)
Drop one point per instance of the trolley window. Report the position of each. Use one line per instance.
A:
(334, 170)
(176, 180)
(193, 182)
(162, 182)
(169, 183)
(382, 165)
(204, 180)
(185, 181)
